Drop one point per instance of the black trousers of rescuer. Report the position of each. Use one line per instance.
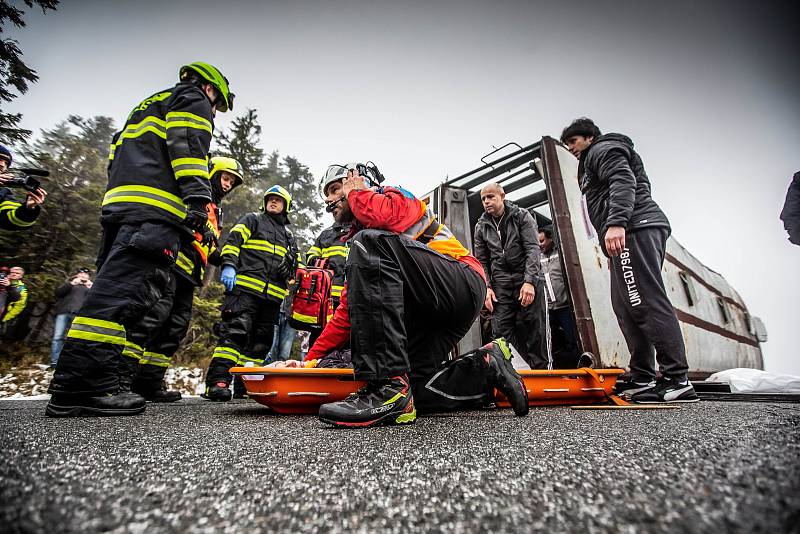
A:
(408, 305)
(160, 332)
(644, 312)
(523, 327)
(134, 267)
(245, 333)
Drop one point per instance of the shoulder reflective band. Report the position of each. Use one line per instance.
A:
(131, 131)
(185, 264)
(182, 119)
(227, 353)
(146, 195)
(242, 229)
(97, 330)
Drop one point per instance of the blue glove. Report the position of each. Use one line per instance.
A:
(228, 277)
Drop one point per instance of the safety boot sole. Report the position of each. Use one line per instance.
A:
(54, 410)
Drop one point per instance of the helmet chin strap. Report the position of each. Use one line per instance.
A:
(332, 206)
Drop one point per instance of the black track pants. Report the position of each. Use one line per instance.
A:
(158, 335)
(522, 327)
(134, 267)
(462, 384)
(245, 332)
(644, 312)
(409, 306)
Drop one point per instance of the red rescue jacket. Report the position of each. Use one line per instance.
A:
(395, 210)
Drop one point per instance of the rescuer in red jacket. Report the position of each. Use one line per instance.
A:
(411, 293)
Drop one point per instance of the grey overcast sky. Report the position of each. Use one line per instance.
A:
(708, 90)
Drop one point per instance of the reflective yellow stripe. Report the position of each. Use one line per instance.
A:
(132, 350)
(154, 358)
(185, 263)
(242, 229)
(314, 251)
(250, 282)
(304, 318)
(336, 291)
(266, 246)
(97, 330)
(190, 167)
(9, 205)
(335, 251)
(131, 131)
(17, 221)
(227, 353)
(143, 194)
(230, 249)
(176, 119)
(276, 291)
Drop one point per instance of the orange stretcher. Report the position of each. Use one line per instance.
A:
(303, 391)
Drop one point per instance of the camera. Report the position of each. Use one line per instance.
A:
(27, 179)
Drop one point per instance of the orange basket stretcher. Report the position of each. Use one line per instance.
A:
(303, 391)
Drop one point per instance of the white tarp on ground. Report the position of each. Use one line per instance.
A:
(744, 380)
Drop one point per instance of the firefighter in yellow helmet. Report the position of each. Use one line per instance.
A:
(158, 189)
(153, 342)
(258, 260)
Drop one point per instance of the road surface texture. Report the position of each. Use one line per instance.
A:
(197, 466)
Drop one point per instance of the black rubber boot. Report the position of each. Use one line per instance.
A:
(128, 369)
(504, 377)
(65, 405)
(239, 389)
(219, 392)
(149, 383)
(163, 395)
(385, 402)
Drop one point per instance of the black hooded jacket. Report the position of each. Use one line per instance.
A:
(516, 257)
(616, 187)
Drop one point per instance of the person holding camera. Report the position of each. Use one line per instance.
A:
(70, 295)
(156, 199)
(9, 294)
(16, 215)
(259, 258)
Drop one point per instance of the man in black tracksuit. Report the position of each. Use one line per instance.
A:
(633, 233)
(153, 342)
(507, 245)
(259, 257)
(157, 187)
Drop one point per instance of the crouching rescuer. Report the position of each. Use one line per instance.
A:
(157, 188)
(152, 343)
(411, 293)
(258, 260)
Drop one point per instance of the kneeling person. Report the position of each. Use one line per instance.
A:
(412, 291)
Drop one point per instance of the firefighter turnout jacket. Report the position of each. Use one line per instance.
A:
(139, 189)
(15, 215)
(331, 246)
(264, 253)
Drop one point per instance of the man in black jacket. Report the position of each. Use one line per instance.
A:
(17, 215)
(507, 245)
(70, 295)
(157, 194)
(633, 233)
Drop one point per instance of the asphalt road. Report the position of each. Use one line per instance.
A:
(196, 466)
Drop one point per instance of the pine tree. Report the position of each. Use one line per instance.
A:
(306, 203)
(15, 74)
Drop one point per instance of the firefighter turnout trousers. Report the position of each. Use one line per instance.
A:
(245, 333)
(134, 268)
(408, 305)
(153, 342)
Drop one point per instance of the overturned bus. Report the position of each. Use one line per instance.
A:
(718, 330)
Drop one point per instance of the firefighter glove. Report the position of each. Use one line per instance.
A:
(228, 277)
(196, 218)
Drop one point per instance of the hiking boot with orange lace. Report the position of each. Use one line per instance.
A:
(382, 402)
